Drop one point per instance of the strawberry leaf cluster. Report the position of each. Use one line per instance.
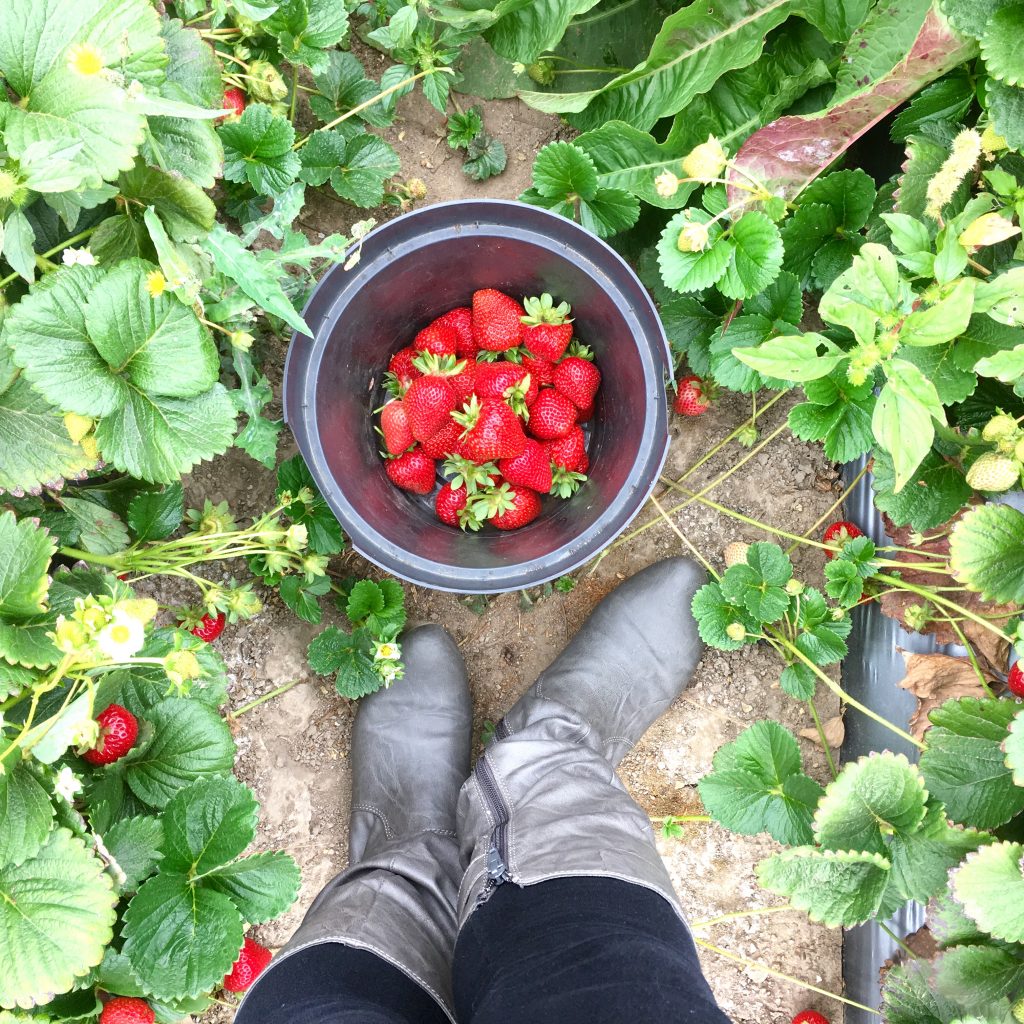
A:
(485, 155)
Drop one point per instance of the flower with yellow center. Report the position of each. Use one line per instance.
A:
(666, 184)
(85, 59)
(156, 283)
(693, 238)
(122, 638)
(387, 650)
(706, 161)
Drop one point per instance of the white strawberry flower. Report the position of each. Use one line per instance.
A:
(67, 784)
(77, 257)
(388, 650)
(122, 638)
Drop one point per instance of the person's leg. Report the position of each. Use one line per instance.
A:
(544, 803)
(410, 756)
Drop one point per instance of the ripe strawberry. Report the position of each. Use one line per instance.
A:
(839, 534)
(436, 339)
(464, 383)
(551, 415)
(548, 329)
(532, 468)
(394, 425)
(810, 1017)
(234, 100)
(453, 508)
(209, 627)
(412, 471)
(496, 320)
(524, 508)
(1015, 680)
(508, 381)
(493, 430)
(251, 963)
(118, 732)
(585, 414)
(460, 320)
(578, 379)
(691, 397)
(445, 442)
(401, 366)
(568, 452)
(541, 370)
(125, 1009)
(429, 402)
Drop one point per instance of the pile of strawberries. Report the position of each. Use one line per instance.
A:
(496, 394)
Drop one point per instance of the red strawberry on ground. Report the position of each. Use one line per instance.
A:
(532, 468)
(810, 1017)
(451, 508)
(691, 397)
(234, 100)
(431, 399)
(460, 320)
(394, 425)
(496, 320)
(578, 379)
(118, 732)
(209, 627)
(445, 442)
(1015, 680)
(547, 329)
(569, 452)
(839, 534)
(551, 415)
(251, 963)
(541, 370)
(127, 1010)
(493, 430)
(412, 471)
(524, 508)
(436, 339)
(401, 366)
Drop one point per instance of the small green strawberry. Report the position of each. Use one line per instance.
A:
(993, 472)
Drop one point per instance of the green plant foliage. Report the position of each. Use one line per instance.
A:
(988, 885)
(986, 552)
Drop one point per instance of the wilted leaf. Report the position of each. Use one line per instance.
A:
(933, 679)
(835, 732)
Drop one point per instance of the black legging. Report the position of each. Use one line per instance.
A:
(568, 951)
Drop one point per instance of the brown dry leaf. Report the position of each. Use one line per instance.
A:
(933, 679)
(835, 733)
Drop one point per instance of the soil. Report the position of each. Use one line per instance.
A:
(293, 749)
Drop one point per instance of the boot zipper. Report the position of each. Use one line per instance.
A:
(499, 811)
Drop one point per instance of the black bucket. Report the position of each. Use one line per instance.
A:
(411, 270)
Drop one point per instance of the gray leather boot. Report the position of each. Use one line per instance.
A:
(544, 800)
(410, 756)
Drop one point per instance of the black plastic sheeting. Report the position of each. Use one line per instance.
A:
(871, 673)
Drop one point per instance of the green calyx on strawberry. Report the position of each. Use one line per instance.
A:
(452, 506)
(469, 474)
(547, 328)
(492, 430)
(840, 534)
(566, 482)
(523, 506)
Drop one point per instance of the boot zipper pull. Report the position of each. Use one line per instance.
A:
(497, 872)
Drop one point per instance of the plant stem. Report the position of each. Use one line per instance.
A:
(757, 966)
(827, 514)
(295, 92)
(687, 543)
(971, 656)
(683, 818)
(824, 739)
(740, 914)
(267, 696)
(895, 938)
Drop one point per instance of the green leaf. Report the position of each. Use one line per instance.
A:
(756, 785)
(870, 290)
(180, 939)
(368, 162)
(187, 147)
(1005, 366)
(463, 128)
(258, 149)
(990, 887)
(872, 798)
(301, 596)
(322, 154)
(154, 515)
(804, 234)
(100, 530)
(1013, 747)
(260, 281)
(387, 622)
(942, 321)
(261, 887)
(1006, 106)
(834, 888)
(186, 210)
(324, 531)
(693, 271)
(190, 741)
(25, 553)
(978, 976)
(346, 656)
(926, 152)
(902, 420)
(343, 85)
(714, 614)
(947, 100)
(192, 67)
(938, 364)
(999, 49)
(365, 598)
(759, 585)
(963, 764)
(910, 996)
(523, 31)
(322, 24)
(984, 338)
(486, 157)
(948, 922)
(18, 240)
(849, 196)
(26, 815)
(56, 917)
(207, 824)
(135, 844)
(1000, 297)
(986, 552)
(908, 234)
(561, 169)
(934, 494)
(837, 413)
(756, 256)
(792, 357)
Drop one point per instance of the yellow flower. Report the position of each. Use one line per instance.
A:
(241, 339)
(77, 426)
(85, 59)
(706, 161)
(156, 283)
(666, 184)
(693, 238)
